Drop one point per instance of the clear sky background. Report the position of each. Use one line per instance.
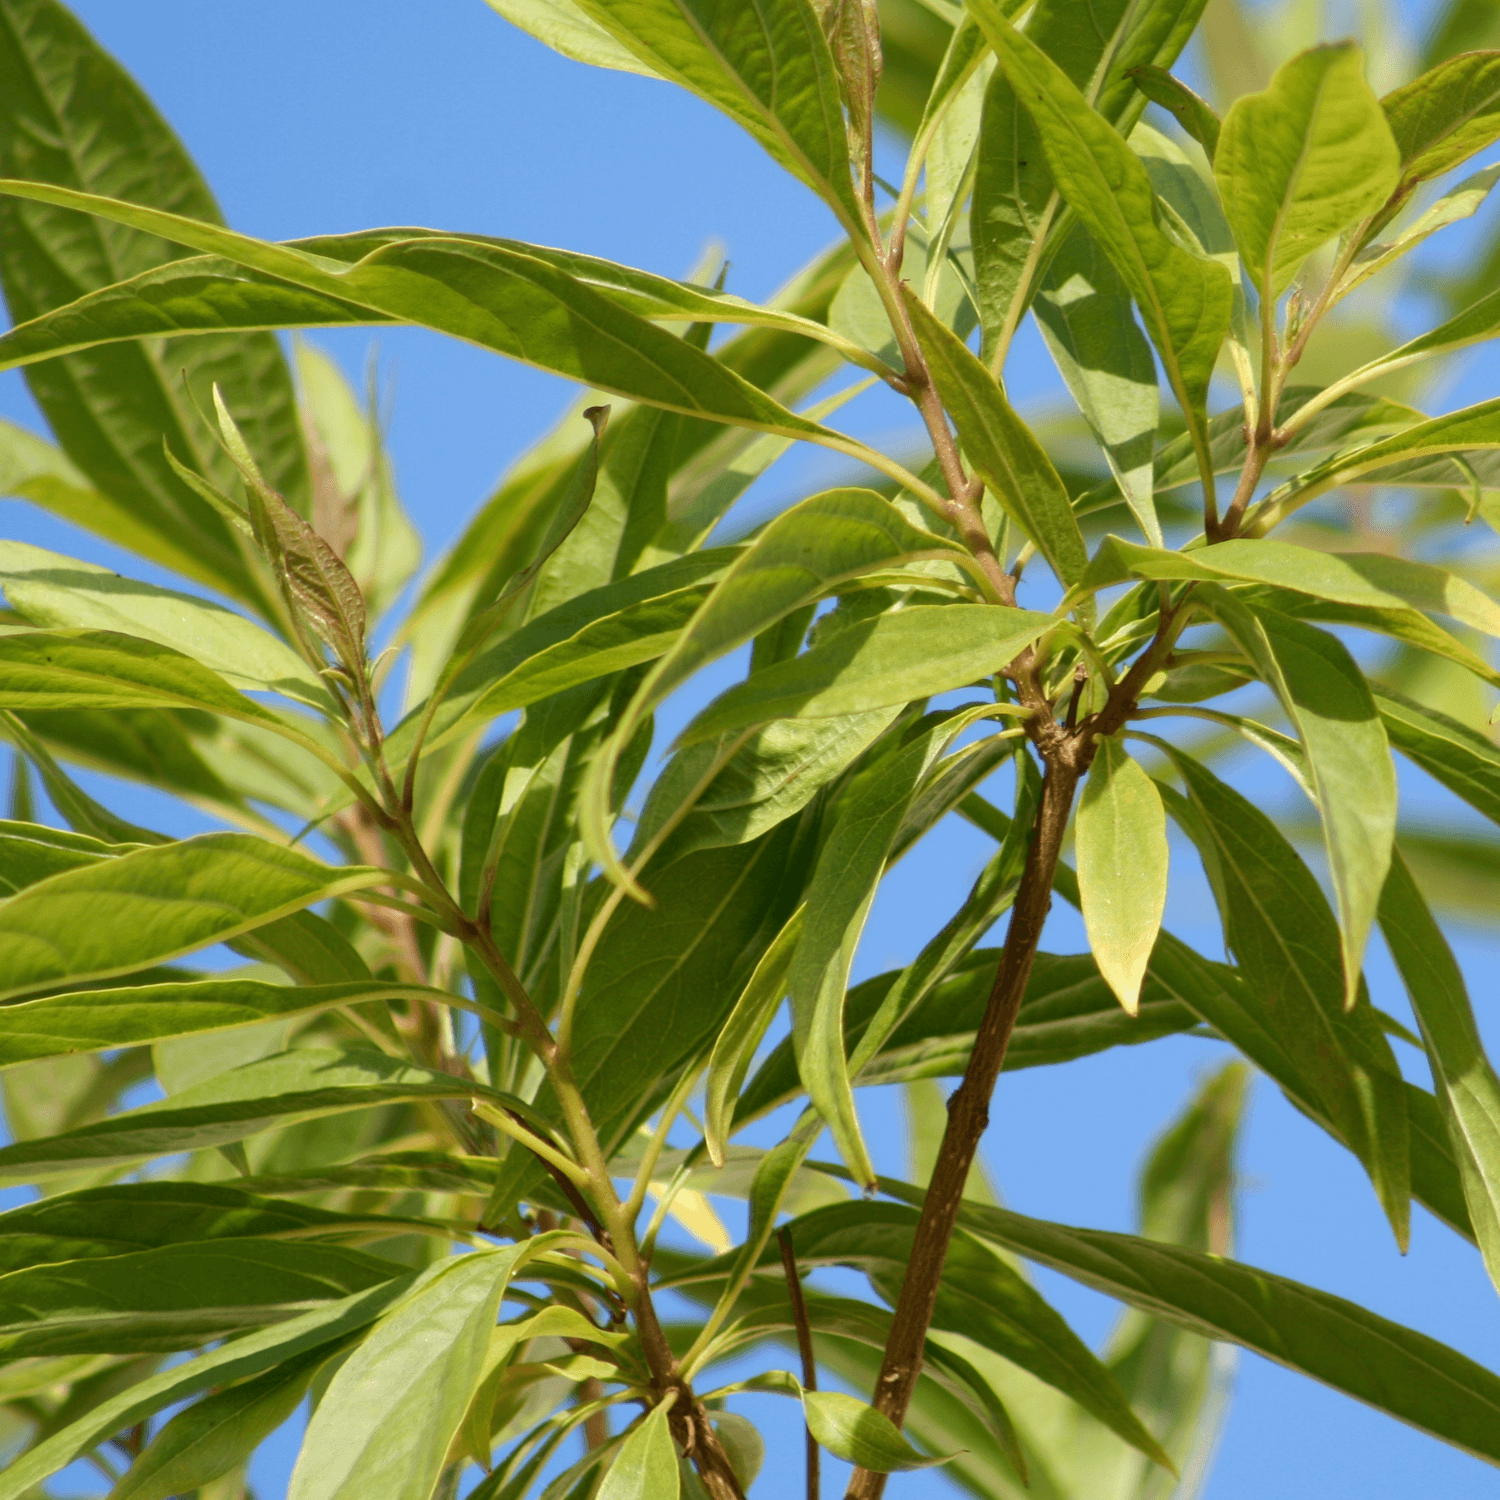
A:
(333, 116)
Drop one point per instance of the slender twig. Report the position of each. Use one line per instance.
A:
(804, 1347)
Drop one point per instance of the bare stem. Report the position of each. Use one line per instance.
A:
(804, 1346)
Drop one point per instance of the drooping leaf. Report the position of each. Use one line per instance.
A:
(1001, 447)
(1278, 926)
(1465, 761)
(112, 409)
(1194, 114)
(843, 884)
(1463, 1078)
(567, 29)
(1303, 161)
(1122, 868)
(150, 905)
(1351, 778)
(894, 658)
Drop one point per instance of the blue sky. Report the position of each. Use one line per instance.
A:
(334, 116)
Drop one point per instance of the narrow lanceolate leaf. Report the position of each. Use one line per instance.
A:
(894, 658)
(233, 1360)
(1001, 447)
(770, 70)
(1086, 318)
(1474, 325)
(60, 592)
(1371, 580)
(1443, 117)
(500, 299)
(30, 852)
(1467, 430)
(1122, 868)
(1303, 161)
(1465, 761)
(568, 30)
(218, 1432)
(1278, 926)
(838, 899)
(111, 410)
(1184, 301)
(153, 904)
(802, 556)
(1462, 1076)
(1194, 114)
(1394, 1369)
(302, 1084)
(980, 1297)
(391, 1412)
(95, 1020)
(1352, 780)
(174, 1297)
(646, 1465)
(741, 1036)
(854, 1431)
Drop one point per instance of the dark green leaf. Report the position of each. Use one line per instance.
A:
(1465, 761)
(175, 1297)
(1445, 116)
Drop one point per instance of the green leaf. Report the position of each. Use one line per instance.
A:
(298, 1085)
(127, 1217)
(1394, 1369)
(57, 592)
(175, 1297)
(1194, 114)
(1302, 161)
(234, 1360)
(663, 980)
(1122, 868)
(216, 1433)
(742, 1035)
(1460, 202)
(501, 299)
(564, 27)
(30, 852)
(152, 904)
(1184, 301)
(1001, 447)
(1373, 580)
(1444, 116)
(1462, 759)
(1084, 312)
(1462, 1075)
(854, 1431)
(394, 1406)
(894, 658)
(1279, 928)
(1350, 775)
(838, 897)
(95, 1020)
(645, 1468)
(112, 409)
(802, 556)
(774, 76)
(599, 633)
(980, 1297)
(1470, 428)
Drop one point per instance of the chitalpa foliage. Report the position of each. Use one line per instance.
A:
(411, 1160)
